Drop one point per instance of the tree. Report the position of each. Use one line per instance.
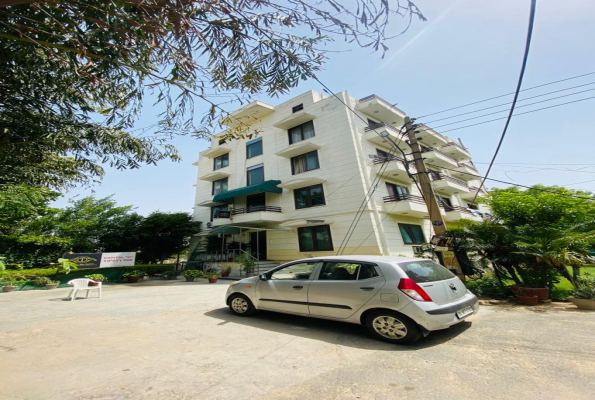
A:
(20, 204)
(88, 223)
(63, 65)
(163, 235)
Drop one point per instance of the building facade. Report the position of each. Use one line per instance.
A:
(294, 190)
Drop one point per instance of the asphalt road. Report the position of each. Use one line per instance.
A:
(176, 340)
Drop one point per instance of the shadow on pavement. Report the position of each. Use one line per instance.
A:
(334, 332)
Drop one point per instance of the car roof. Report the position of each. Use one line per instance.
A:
(390, 259)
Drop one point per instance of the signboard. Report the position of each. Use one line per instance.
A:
(110, 260)
(84, 260)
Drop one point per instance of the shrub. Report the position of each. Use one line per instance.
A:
(485, 286)
(585, 287)
(193, 273)
(96, 277)
(42, 281)
(136, 273)
(154, 269)
(33, 273)
(247, 262)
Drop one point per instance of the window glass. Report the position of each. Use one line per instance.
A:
(215, 211)
(220, 186)
(305, 162)
(397, 190)
(301, 271)
(315, 238)
(309, 196)
(301, 132)
(412, 234)
(221, 161)
(254, 148)
(425, 271)
(255, 175)
(338, 271)
(367, 271)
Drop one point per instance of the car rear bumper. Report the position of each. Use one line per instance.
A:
(440, 317)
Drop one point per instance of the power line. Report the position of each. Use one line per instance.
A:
(524, 163)
(524, 105)
(508, 94)
(514, 184)
(518, 89)
(516, 115)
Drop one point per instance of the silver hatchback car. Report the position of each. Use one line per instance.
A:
(398, 299)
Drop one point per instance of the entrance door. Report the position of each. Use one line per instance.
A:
(258, 245)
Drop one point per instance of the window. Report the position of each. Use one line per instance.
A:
(300, 271)
(445, 202)
(341, 271)
(401, 192)
(254, 148)
(309, 196)
(220, 186)
(221, 161)
(301, 132)
(216, 212)
(412, 234)
(305, 162)
(297, 108)
(472, 206)
(255, 174)
(315, 238)
(425, 271)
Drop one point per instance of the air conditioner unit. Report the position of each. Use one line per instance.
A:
(209, 224)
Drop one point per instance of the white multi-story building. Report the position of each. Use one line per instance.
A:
(294, 189)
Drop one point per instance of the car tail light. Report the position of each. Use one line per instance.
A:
(413, 290)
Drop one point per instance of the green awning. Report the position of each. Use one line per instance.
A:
(225, 230)
(266, 186)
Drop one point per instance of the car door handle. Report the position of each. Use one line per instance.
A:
(367, 288)
(297, 287)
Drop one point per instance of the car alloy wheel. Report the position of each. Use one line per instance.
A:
(239, 305)
(389, 327)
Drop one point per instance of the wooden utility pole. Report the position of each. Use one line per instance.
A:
(424, 181)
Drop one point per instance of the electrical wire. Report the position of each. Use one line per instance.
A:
(518, 89)
(505, 104)
(508, 94)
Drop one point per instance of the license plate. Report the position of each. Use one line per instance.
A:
(465, 312)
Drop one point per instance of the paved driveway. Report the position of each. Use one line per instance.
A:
(176, 340)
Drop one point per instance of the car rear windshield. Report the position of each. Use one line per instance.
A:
(425, 271)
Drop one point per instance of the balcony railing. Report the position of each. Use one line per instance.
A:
(448, 208)
(251, 209)
(373, 96)
(382, 160)
(389, 127)
(458, 146)
(404, 197)
(442, 177)
(428, 149)
(480, 190)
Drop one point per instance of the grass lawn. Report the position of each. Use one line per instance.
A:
(566, 285)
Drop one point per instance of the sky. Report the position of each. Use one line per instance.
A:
(467, 50)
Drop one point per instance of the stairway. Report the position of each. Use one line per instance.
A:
(264, 266)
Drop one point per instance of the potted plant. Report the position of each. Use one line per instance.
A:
(96, 278)
(247, 262)
(584, 295)
(13, 281)
(171, 275)
(47, 282)
(191, 274)
(212, 277)
(225, 272)
(134, 275)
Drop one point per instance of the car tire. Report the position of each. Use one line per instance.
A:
(241, 305)
(392, 327)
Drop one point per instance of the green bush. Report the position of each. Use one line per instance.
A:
(485, 286)
(154, 269)
(32, 273)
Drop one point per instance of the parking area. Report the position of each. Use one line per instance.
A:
(177, 340)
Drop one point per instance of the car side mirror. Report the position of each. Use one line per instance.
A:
(263, 277)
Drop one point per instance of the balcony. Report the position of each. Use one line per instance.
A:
(456, 151)
(457, 213)
(215, 152)
(214, 176)
(465, 171)
(256, 215)
(447, 184)
(384, 135)
(297, 149)
(472, 192)
(395, 168)
(406, 204)
(381, 109)
(247, 115)
(430, 137)
(436, 158)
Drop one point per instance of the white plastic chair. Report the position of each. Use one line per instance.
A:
(83, 284)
